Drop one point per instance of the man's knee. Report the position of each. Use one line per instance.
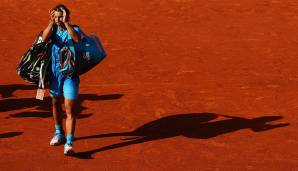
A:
(56, 101)
(69, 106)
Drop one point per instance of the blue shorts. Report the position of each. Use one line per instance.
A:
(67, 86)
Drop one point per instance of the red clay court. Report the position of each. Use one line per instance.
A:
(187, 85)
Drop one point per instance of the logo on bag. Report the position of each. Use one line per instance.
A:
(66, 61)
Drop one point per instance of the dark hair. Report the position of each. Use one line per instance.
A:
(60, 8)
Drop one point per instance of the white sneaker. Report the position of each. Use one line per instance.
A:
(57, 139)
(68, 149)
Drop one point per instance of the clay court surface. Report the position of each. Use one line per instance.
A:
(187, 85)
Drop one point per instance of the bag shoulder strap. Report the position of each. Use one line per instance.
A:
(71, 46)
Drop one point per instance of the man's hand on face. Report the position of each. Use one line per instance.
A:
(52, 17)
(65, 18)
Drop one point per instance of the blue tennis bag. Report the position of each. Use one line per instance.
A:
(89, 52)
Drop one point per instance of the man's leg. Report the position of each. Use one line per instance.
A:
(57, 110)
(59, 136)
(70, 116)
(70, 92)
(70, 124)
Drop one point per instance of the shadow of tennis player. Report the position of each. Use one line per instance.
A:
(8, 90)
(194, 125)
(44, 107)
(10, 134)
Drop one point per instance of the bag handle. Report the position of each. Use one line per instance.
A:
(41, 79)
